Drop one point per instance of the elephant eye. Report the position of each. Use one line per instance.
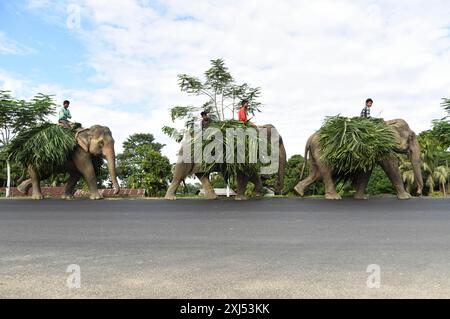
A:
(101, 143)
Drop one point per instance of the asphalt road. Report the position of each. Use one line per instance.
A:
(271, 248)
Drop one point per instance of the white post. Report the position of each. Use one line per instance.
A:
(228, 188)
(8, 179)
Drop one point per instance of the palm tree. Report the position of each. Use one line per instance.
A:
(446, 105)
(441, 174)
(429, 180)
(407, 174)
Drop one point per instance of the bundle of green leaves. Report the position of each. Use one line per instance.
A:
(249, 152)
(355, 144)
(47, 147)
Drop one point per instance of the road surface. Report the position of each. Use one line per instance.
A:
(271, 248)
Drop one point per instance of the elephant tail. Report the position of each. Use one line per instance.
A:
(185, 188)
(307, 149)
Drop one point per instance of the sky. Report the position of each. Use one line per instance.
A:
(118, 61)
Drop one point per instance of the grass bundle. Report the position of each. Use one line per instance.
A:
(355, 144)
(47, 147)
(251, 163)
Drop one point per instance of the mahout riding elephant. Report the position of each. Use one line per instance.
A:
(406, 143)
(183, 170)
(96, 141)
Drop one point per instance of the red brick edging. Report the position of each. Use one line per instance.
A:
(58, 191)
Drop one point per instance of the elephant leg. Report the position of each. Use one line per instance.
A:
(69, 189)
(313, 176)
(279, 186)
(330, 188)
(182, 170)
(172, 190)
(86, 168)
(361, 184)
(25, 186)
(37, 194)
(242, 181)
(390, 167)
(256, 180)
(206, 184)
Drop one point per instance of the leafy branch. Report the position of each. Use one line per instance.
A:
(222, 96)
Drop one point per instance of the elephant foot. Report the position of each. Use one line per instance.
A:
(404, 196)
(37, 196)
(334, 196)
(299, 190)
(96, 196)
(361, 197)
(240, 197)
(67, 197)
(170, 197)
(211, 196)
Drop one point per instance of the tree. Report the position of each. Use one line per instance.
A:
(442, 174)
(139, 139)
(141, 165)
(17, 115)
(222, 96)
(407, 172)
(435, 156)
(379, 183)
(446, 105)
(292, 177)
(292, 173)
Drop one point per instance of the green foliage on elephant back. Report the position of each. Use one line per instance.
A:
(355, 144)
(245, 159)
(47, 147)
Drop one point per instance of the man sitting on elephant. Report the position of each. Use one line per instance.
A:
(242, 115)
(64, 115)
(366, 110)
(205, 120)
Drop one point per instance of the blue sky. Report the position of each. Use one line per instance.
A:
(55, 52)
(311, 58)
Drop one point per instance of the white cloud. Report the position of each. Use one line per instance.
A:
(94, 107)
(9, 46)
(311, 58)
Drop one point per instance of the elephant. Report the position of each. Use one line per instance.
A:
(96, 141)
(183, 170)
(406, 143)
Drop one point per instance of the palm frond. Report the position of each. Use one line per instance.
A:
(355, 144)
(46, 147)
(244, 161)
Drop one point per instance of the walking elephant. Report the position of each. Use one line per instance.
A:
(406, 143)
(183, 170)
(94, 141)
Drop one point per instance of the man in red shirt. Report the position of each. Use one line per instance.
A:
(242, 116)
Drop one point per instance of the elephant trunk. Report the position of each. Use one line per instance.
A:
(416, 162)
(111, 161)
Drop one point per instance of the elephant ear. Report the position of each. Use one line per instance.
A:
(83, 138)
